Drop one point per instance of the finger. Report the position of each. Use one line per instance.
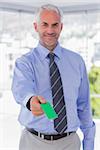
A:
(41, 99)
(34, 101)
(35, 105)
(37, 113)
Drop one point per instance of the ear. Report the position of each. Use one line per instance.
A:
(35, 26)
(61, 26)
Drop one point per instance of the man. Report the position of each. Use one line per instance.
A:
(51, 73)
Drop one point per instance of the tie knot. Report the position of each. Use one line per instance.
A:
(51, 56)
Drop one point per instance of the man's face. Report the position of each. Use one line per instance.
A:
(48, 28)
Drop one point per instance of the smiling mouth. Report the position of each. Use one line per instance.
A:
(50, 36)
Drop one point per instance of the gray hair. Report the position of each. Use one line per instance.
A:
(48, 7)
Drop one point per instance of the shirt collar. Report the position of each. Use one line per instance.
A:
(43, 52)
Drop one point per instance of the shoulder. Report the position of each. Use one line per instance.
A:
(72, 56)
(70, 53)
(74, 60)
(25, 61)
(27, 57)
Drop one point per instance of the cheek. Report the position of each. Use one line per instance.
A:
(59, 30)
(41, 36)
(40, 31)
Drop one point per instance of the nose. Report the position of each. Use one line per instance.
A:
(50, 30)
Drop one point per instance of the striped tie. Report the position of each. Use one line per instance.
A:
(60, 123)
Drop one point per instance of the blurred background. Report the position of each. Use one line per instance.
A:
(81, 33)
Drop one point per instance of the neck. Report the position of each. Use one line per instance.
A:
(50, 48)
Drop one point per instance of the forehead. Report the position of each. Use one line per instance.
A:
(49, 16)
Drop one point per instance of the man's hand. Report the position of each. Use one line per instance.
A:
(35, 105)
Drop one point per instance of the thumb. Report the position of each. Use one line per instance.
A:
(41, 99)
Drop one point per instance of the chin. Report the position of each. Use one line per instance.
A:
(51, 43)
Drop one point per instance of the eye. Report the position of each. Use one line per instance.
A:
(44, 24)
(55, 25)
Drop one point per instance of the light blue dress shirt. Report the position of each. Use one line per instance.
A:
(31, 77)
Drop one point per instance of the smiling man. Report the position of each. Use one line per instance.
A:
(51, 73)
(49, 26)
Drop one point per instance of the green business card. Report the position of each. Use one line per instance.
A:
(49, 110)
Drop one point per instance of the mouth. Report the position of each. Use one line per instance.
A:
(50, 35)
